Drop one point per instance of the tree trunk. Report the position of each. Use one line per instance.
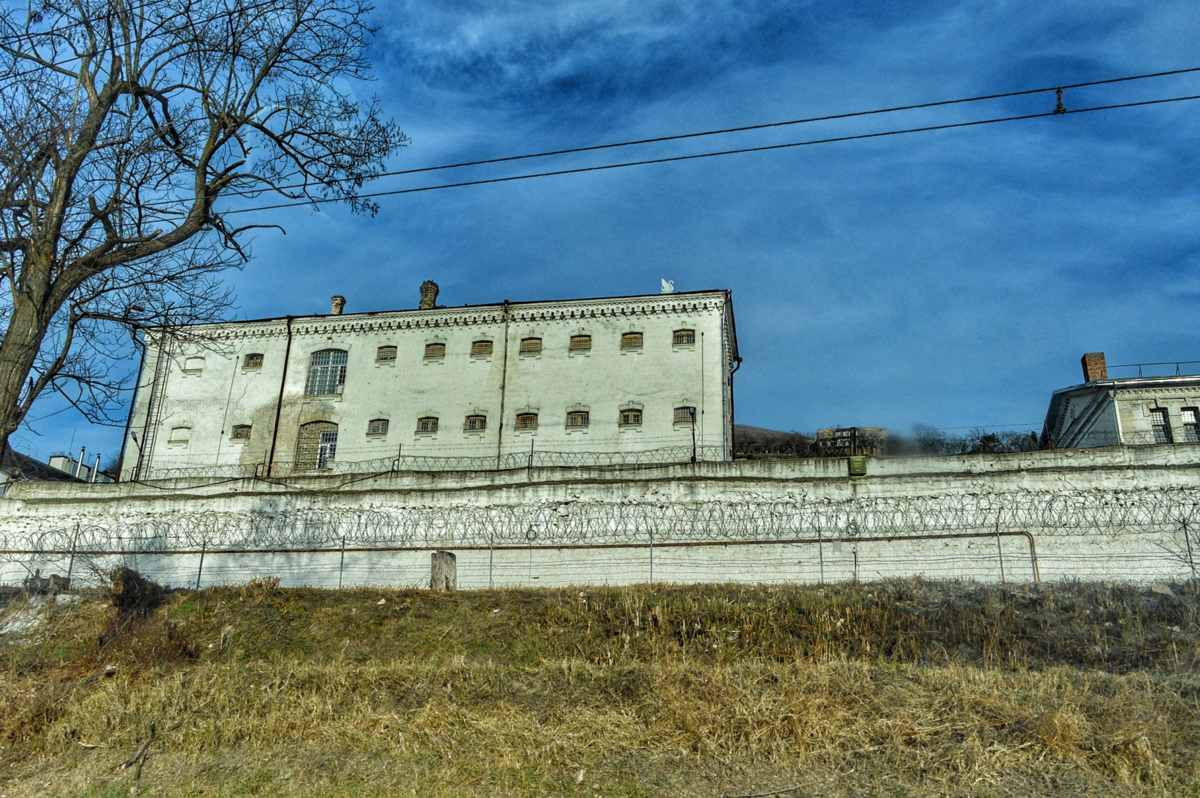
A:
(18, 352)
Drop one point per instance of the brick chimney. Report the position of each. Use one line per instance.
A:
(429, 292)
(1094, 367)
(339, 304)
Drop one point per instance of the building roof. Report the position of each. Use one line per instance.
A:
(1117, 383)
(22, 466)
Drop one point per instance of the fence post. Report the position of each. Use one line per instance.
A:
(342, 562)
(854, 551)
(491, 552)
(200, 570)
(75, 541)
(821, 553)
(999, 550)
(651, 555)
(1187, 539)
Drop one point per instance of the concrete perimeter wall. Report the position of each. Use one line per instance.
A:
(1110, 514)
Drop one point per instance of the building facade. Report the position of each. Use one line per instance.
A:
(1123, 411)
(574, 382)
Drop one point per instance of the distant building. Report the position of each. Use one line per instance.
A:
(88, 473)
(851, 441)
(1106, 411)
(572, 382)
(16, 466)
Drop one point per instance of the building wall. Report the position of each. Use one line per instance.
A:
(1120, 513)
(1118, 411)
(173, 392)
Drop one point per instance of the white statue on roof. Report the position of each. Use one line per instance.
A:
(668, 286)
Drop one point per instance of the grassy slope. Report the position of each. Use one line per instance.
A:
(901, 688)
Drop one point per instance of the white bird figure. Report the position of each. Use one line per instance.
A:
(668, 286)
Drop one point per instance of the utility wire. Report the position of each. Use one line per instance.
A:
(765, 148)
(745, 128)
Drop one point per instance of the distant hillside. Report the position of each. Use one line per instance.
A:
(762, 442)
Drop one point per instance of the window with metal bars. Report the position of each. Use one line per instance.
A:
(1161, 425)
(241, 432)
(631, 341)
(1191, 424)
(253, 361)
(316, 445)
(433, 351)
(580, 343)
(684, 415)
(385, 354)
(684, 337)
(531, 346)
(481, 348)
(377, 426)
(577, 419)
(475, 423)
(526, 420)
(326, 373)
(631, 417)
(427, 424)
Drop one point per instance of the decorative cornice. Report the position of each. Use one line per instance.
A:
(490, 315)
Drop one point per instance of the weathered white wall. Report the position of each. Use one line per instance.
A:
(1115, 514)
(212, 398)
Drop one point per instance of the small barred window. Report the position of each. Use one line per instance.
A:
(378, 426)
(435, 350)
(577, 419)
(631, 417)
(475, 423)
(1191, 424)
(427, 424)
(241, 432)
(385, 353)
(326, 373)
(684, 415)
(481, 348)
(581, 343)
(253, 361)
(631, 341)
(526, 420)
(531, 346)
(684, 337)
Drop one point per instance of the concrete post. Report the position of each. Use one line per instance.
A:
(443, 571)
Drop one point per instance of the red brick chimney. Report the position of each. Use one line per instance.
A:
(1094, 367)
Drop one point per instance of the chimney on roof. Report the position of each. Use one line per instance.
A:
(339, 304)
(429, 292)
(1094, 367)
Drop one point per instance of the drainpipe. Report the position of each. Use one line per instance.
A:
(737, 364)
(503, 388)
(287, 354)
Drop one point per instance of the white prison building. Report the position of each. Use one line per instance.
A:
(571, 382)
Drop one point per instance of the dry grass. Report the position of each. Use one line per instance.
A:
(901, 688)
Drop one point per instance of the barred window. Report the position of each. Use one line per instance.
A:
(180, 435)
(580, 343)
(253, 361)
(526, 420)
(577, 418)
(1161, 425)
(385, 353)
(475, 423)
(427, 424)
(378, 426)
(481, 348)
(631, 417)
(241, 432)
(684, 415)
(435, 350)
(1191, 424)
(631, 341)
(531, 346)
(684, 337)
(316, 445)
(327, 373)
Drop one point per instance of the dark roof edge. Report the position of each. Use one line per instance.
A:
(501, 304)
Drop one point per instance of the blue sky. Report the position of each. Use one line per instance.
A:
(951, 278)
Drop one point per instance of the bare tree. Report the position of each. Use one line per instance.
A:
(123, 123)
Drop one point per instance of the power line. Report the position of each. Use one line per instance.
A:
(739, 151)
(763, 126)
